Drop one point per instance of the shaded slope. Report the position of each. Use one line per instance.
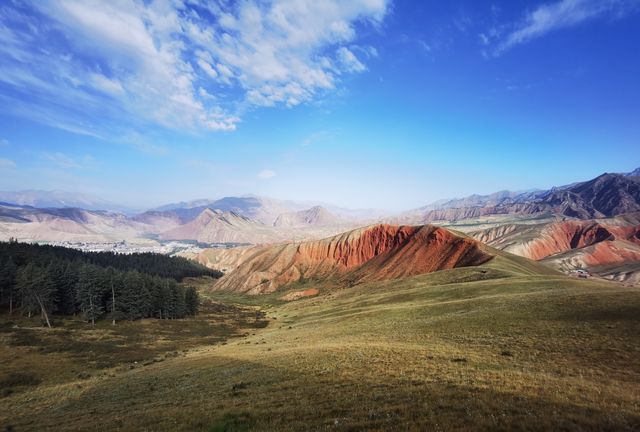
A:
(604, 196)
(373, 253)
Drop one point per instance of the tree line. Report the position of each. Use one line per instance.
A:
(48, 280)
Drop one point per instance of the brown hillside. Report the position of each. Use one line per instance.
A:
(373, 253)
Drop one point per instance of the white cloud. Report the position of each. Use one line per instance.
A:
(167, 62)
(266, 174)
(208, 68)
(7, 163)
(349, 61)
(560, 14)
(276, 52)
(110, 86)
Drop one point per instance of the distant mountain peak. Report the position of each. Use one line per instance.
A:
(634, 173)
(316, 215)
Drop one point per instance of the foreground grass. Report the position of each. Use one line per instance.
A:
(463, 349)
(31, 355)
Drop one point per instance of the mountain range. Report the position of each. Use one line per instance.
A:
(606, 195)
(61, 199)
(258, 220)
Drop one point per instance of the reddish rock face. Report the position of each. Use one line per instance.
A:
(563, 236)
(349, 251)
(594, 245)
(375, 253)
(610, 253)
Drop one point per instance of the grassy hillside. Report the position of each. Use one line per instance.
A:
(489, 348)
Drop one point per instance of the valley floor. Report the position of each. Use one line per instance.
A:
(476, 348)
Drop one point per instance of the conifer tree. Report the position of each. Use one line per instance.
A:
(191, 300)
(36, 290)
(89, 292)
(8, 283)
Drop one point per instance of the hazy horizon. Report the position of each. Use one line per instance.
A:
(363, 104)
(311, 202)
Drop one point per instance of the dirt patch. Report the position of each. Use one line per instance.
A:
(296, 295)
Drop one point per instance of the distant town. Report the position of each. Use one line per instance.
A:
(126, 248)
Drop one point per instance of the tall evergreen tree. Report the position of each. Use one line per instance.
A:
(191, 300)
(8, 272)
(111, 276)
(89, 292)
(36, 290)
(57, 273)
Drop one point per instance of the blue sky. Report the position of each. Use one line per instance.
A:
(363, 103)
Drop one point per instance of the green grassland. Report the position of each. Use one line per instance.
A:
(507, 345)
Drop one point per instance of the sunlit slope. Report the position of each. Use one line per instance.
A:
(476, 347)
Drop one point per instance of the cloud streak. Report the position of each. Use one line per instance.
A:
(266, 174)
(558, 15)
(61, 160)
(181, 64)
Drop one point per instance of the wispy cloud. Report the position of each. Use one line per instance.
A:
(317, 136)
(7, 163)
(64, 161)
(144, 144)
(190, 64)
(554, 16)
(266, 174)
(349, 61)
(4, 143)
